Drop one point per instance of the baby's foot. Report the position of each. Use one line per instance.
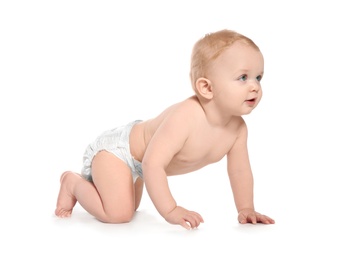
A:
(66, 201)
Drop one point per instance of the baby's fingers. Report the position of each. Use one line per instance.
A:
(265, 219)
(192, 220)
(255, 218)
(242, 219)
(186, 224)
(251, 218)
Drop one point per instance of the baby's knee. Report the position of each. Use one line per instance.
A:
(119, 217)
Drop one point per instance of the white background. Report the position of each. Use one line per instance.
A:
(71, 69)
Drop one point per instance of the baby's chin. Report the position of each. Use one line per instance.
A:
(249, 111)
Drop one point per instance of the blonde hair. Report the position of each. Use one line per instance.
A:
(208, 48)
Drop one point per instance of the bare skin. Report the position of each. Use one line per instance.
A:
(66, 200)
(74, 186)
(184, 138)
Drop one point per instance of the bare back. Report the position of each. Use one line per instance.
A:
(182, 139)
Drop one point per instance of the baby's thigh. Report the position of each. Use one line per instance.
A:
(138, 192)
(114, 182)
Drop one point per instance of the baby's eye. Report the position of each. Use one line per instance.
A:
(259, 78)
(243, 77)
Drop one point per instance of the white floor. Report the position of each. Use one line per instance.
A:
(72, 69)
(306, 215)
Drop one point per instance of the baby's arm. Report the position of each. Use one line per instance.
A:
(241, 181)
(166, 142)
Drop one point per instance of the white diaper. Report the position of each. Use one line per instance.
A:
(115, 141)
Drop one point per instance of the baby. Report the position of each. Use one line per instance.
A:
(226, 71)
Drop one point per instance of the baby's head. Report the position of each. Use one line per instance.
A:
(208, 48)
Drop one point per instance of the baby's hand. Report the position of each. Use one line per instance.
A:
(251, 216)
(187, 219)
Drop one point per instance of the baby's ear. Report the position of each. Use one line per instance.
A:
(204, 88)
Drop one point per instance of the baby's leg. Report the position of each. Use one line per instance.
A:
(75, 188)
(111, 196)
(138, 191)
(114, 183)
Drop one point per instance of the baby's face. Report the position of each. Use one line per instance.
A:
(235, 77)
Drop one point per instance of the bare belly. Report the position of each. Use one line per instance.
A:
(137, 141)
(207, 146)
